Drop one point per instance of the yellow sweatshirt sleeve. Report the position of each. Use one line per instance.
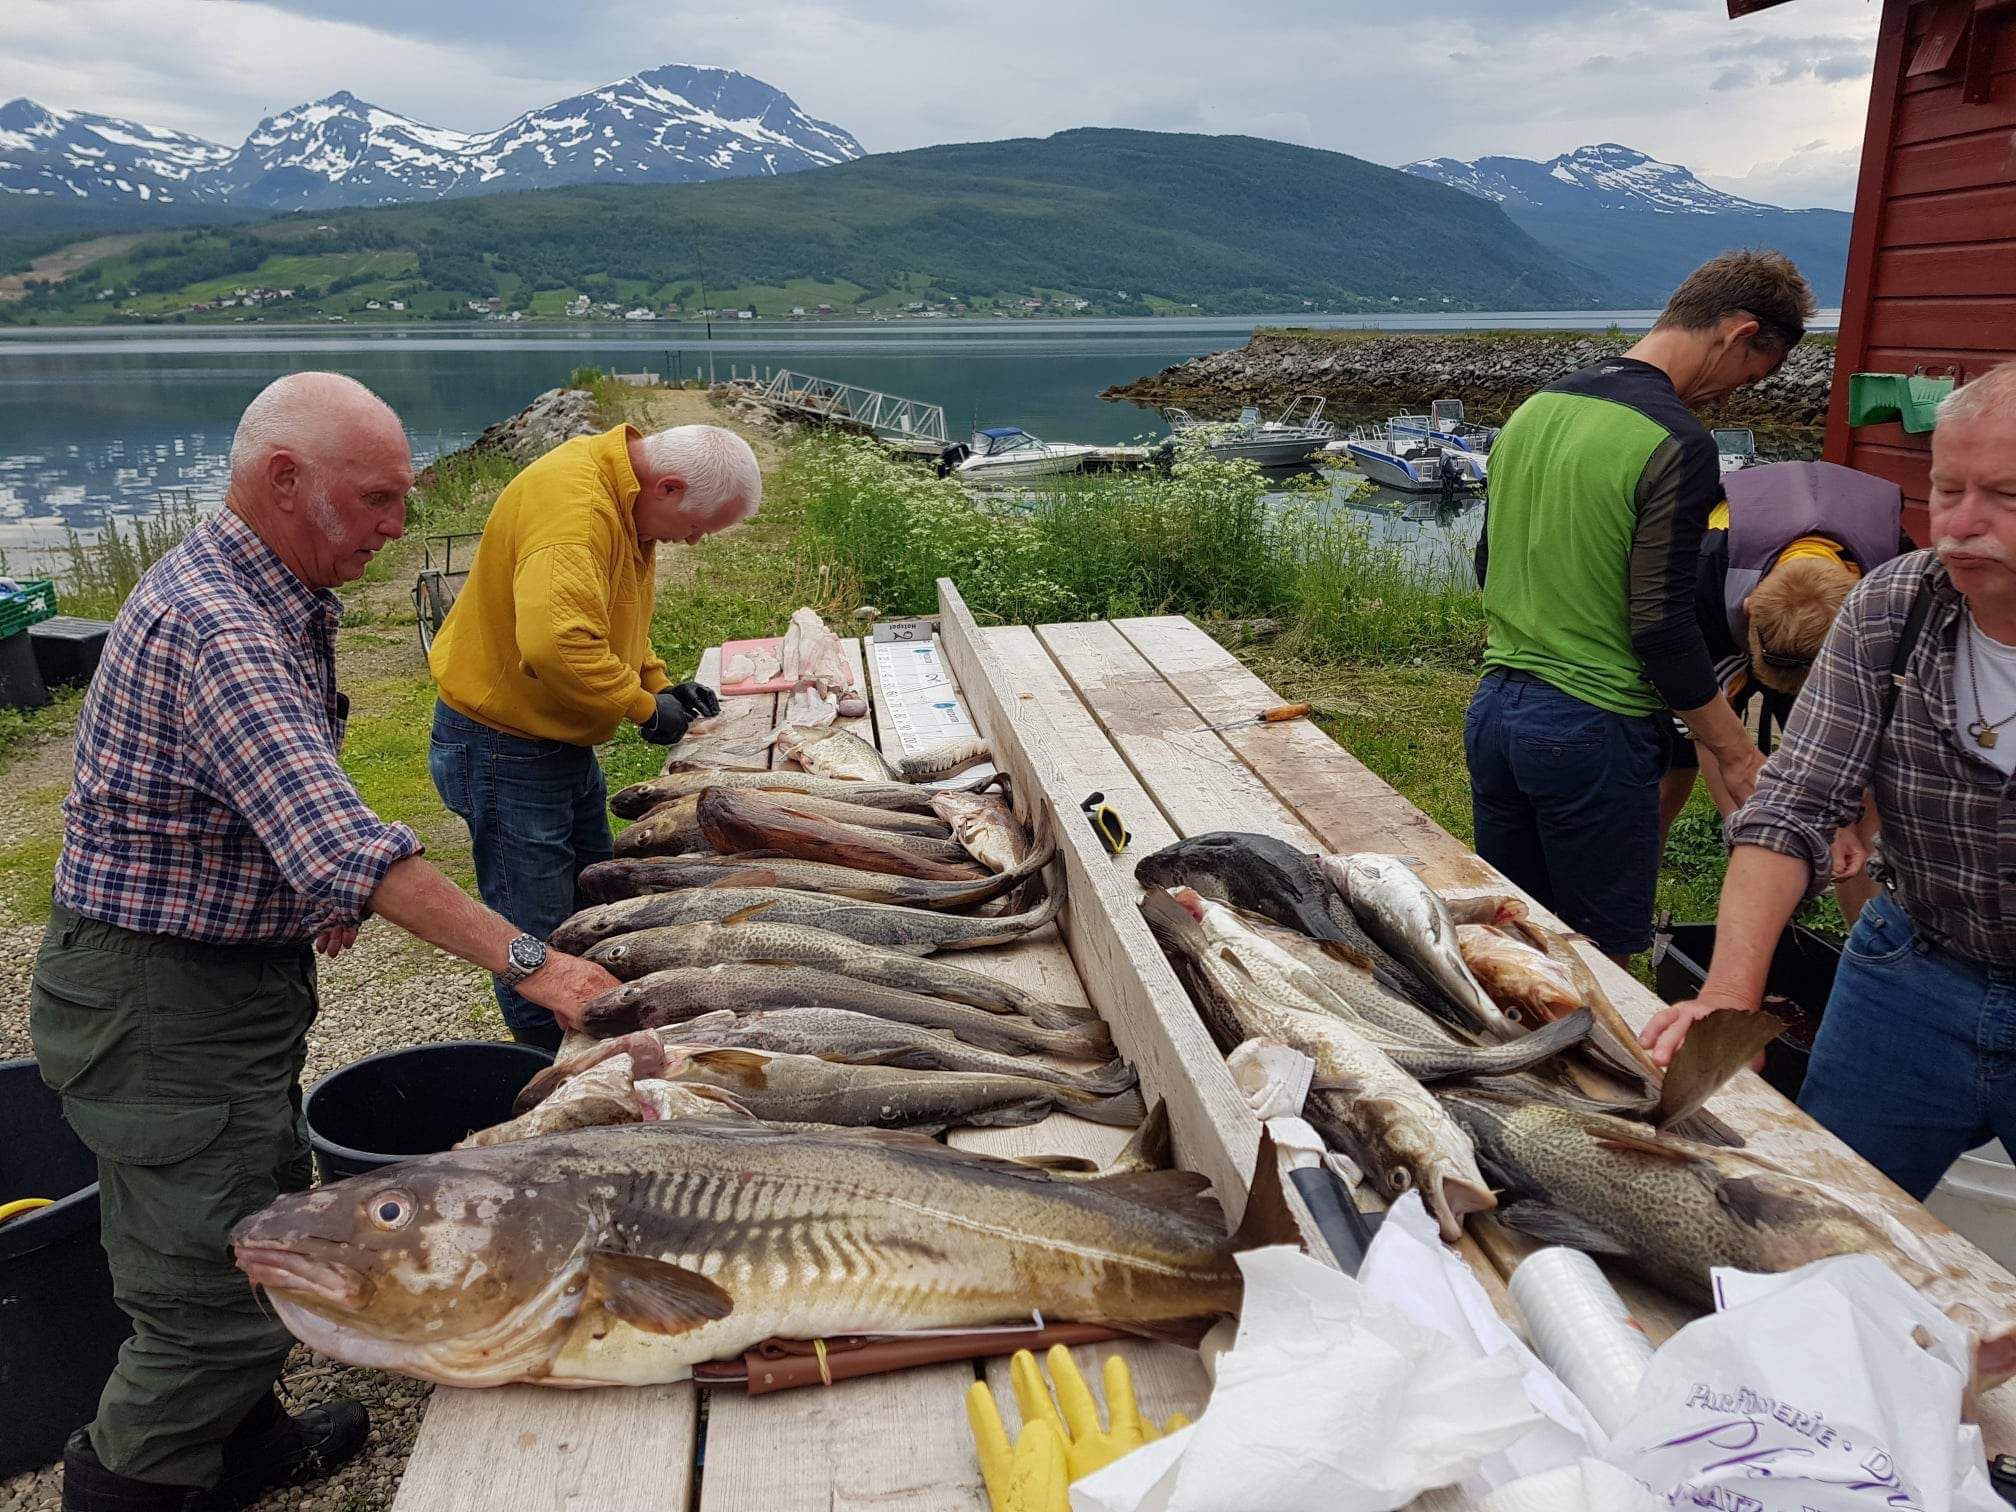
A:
(562, 593)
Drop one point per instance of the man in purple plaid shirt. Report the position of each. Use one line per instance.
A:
(210, 837)
(1913, 695)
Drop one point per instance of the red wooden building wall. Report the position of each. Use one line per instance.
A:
(1932, 257)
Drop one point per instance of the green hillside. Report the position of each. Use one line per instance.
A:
(1127, 221)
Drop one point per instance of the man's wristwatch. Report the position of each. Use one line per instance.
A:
(526, 955)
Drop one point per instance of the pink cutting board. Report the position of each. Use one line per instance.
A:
(731, 649)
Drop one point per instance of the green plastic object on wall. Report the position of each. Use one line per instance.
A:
(1912, 399)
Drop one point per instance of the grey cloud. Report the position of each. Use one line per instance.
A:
(1551, 75)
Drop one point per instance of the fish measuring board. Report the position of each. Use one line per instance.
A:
(916, 687)
(1351, 808)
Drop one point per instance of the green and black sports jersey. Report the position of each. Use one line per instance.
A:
(1601, 485)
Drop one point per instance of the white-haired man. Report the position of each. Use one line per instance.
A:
(1913, 695)
(209, 837)
(548, 650)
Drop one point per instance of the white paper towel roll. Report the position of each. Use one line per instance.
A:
(1581, 1328)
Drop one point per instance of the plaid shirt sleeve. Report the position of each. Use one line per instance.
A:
(255, 743)
(1814, 781)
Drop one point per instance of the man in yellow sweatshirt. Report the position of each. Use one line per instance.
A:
(548, 650)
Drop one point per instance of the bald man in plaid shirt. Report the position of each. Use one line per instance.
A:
(210, 837)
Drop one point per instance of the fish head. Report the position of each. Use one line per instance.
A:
(1439, 1163)
(465, 1268)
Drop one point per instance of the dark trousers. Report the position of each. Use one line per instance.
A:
(179, 1066)
(1565, 800)
(538, 813)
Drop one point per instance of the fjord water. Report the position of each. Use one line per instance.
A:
(95, 424)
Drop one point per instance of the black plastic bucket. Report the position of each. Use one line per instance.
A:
(59, 1327)
(1796, 989)
(397, 1104)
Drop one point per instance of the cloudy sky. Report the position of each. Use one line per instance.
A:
(1770, 106)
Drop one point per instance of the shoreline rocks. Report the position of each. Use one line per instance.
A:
(1491, 372)
(557, 415)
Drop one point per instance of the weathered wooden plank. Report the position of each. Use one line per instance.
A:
(1123, 972)
(1959, 217)
(535, 1449)
(1971, 161)
(1770, 1125)
(893, 1443)
(1191, 774)
(737, 742)
(1322, 784)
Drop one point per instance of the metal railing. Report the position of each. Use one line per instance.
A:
(884, 414)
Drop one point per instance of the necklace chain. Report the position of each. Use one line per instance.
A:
(1982, 731)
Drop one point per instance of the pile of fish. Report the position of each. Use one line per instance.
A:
(737, 1143)
(1463, 1050)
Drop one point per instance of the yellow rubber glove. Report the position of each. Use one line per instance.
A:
(1053, 1451)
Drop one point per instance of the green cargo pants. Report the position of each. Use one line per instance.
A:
(179, 1065)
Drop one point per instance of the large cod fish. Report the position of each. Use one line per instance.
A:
(626, 1256)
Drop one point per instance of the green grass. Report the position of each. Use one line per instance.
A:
(1201, 539)
(27, 871)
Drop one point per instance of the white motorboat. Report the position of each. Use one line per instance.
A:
(1735, 450)
(1005, 453)
(1411, 463)
(1444, 423)
(1298, 433)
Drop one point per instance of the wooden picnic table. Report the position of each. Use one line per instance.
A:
(1115, 707)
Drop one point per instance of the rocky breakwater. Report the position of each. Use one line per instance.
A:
(1491, 372)
(557, 415)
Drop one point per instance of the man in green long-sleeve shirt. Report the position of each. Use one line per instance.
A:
(1601, 486)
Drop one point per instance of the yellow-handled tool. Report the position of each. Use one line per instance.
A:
(1274, 715)
(23, 1205)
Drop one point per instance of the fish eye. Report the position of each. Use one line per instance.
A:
(1400, 1179)
(391, 1210)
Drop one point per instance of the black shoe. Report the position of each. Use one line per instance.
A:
(89, 1487)
(271, 1449)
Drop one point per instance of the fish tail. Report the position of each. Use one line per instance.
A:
(1122, 1109)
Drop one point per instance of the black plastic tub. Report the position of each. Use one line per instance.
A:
(59, 1327)
(1797, 988)
(397, 1104)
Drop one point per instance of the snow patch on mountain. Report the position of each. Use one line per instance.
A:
(675, 124)
(1603, 175)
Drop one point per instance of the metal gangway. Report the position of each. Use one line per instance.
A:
(826, 399)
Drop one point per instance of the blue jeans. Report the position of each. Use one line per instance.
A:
(1915, 1061)
(1564, 797)
(538, 812)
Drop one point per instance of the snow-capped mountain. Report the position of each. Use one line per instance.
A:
(666, 126)
(1639, 225)
(73, 155)
(1603, 176)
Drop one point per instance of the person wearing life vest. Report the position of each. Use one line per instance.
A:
(1783, 549)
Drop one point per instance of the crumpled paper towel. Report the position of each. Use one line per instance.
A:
(1585, 1486)
(1811, 1391)
(1411, 1268)
(1330, 1400)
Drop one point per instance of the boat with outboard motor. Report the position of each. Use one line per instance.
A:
(1005, 453)
(1411, 463)
(1298, 433)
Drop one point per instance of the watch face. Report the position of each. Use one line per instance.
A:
(527, 954)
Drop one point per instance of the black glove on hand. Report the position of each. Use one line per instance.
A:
(668, 725)
(699, 699)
